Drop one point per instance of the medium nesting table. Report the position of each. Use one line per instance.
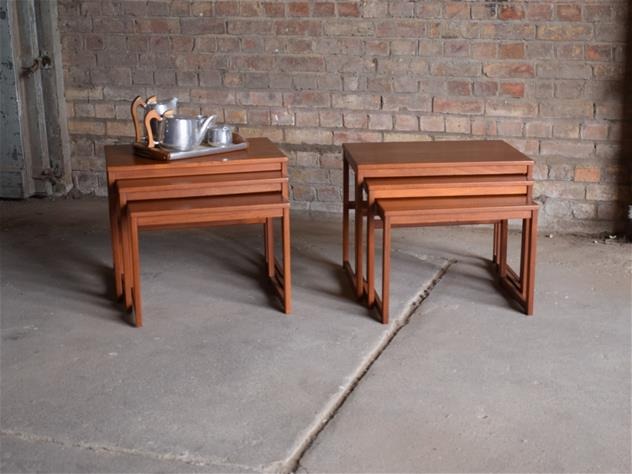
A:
(262, 168)
(406, 171)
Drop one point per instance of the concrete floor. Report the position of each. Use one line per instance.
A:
(219, 380)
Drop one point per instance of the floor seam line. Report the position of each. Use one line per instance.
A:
(110, 449)
(293, 462)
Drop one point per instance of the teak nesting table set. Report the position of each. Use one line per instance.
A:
(241, 187)
(401, 184)
(438, 183)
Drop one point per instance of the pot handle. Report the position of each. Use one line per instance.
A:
(149, 116)
(136, 103)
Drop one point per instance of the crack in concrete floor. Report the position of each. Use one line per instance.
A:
(311, 433)
(99, 448)
(294, 463)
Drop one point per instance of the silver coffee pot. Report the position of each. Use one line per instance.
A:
(177, 132)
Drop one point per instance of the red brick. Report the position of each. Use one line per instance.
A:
(594, 131)
(511, 12)
(197, 9)
(484, 50)
(612, 72)
(602, 52)
(229, 8)
(348, 136)
(400, 29)
(485, 11)
(406, 122)
(300, 63)
(457, 125)
(507, 128)
(540, 11)
(509, 70)
(564, 70)
(587, 174)
(597, 12)
(461, 106)
(274, 9)
(566, 109)
(298, 9)
(510, 108)
(87, 127)
(313, 136)
(428, 10)
(235, 116)
(356, 101)
(295, 27)
(454, 10)
(455, 68)
(157, 26)
(459, 88)
(485, 88)
(572, 149)
(380, 122)
(431, 123)
(456, 48)
(566, 130)
(512, 89)
(407, 102)
(348, 9)
(568, 12)
(511, 51)
(401, 9)
(306, 118)
(324, 9)
(330, 118)
(355, 120)
(484, 127)
(538, 129)
(564, 32)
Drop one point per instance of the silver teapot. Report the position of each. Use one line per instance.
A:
(152, 103)
(177, 132)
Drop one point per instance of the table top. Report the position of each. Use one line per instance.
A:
(122, 157)
(428, 154)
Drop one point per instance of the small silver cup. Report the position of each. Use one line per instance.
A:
(221, 135)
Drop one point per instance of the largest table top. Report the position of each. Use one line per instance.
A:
(260, 150)
(429, 154)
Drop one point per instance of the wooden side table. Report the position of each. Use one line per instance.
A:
(420, 159)
(122, 164)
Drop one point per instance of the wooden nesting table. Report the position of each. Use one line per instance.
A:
(439, 183)
(210, 190)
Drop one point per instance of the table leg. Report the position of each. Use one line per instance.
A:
(269, 244)
(370, 256)
(495, 244)
(127, 260)
(116, 242)
(386, 268)
(345, 212)
(137, 300)
(359, 270)
(287, 267)
(503, 236)
(530, 283)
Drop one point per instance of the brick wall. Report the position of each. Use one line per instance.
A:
(546, 76)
